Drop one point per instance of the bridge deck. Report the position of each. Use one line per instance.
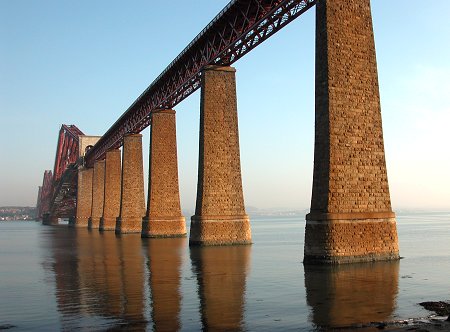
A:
(237, 29)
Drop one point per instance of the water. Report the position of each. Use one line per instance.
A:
(56, 278)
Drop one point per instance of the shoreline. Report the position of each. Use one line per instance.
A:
(439, 321)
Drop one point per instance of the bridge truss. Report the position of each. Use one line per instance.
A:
(45, 193)
(236, 30)
(57, 195)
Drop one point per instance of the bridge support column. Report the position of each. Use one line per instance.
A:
(48, 219)
(84, 197)
(220, 216)
(111, 204)
(351, 219)
(98, 190)
(163, 218)
(132, 202)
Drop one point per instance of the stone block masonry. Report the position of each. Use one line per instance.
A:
(351, 218)
(111, 205)
(163, 218)
(220, 217)
(132, 201)
(98, 190)
(84, 197)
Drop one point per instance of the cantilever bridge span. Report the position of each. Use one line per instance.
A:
(351, 218)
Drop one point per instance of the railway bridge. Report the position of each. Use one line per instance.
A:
(98, 182)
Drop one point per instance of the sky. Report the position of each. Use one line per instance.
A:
(84, 62)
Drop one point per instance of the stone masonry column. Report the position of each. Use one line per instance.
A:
(351, 219)
(111, 205)
(84, 197)
(98, 190)
(163, 218)
(132, 200)
(220, 216)
(48, 219)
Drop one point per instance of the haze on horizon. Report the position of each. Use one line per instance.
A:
(84, 63)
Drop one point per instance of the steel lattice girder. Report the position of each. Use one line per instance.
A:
(64, 199)
(237, 29)
(66, 150)
(62, 196)
(46, 193)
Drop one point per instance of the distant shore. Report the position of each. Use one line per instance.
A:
(17, 213)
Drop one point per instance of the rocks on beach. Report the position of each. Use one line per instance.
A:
(441, 308)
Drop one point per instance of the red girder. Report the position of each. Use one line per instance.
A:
(38, 204)
(66, 150)
(237, 29)
(45, 193)
(62, 200)
(57, 195)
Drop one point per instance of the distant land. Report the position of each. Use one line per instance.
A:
(265, 212)
(12, 213)
(17, 213)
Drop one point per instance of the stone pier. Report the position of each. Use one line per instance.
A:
(98, 190)
(351, 218)
(163, 218)
(220, 217)
(132, 201)
(111, 205)
(48, 219)
(84, 197)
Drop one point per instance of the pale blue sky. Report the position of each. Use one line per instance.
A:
(84, 62)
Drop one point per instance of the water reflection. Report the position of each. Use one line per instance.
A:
(110, 282)
(99, 279)
(64, 267)
(164, 265)
(221, 276)
(352, 293)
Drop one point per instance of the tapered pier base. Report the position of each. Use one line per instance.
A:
(220, 217)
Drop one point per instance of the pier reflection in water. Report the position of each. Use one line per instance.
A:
(349, 294)
(104, 282)
(99, 279)
(164, 259)
(111, 282)
(221, 276)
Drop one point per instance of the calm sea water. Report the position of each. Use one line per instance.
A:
(57, 278)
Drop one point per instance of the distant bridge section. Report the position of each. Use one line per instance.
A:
(57, 195)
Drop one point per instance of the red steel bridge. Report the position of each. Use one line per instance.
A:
(234, 32)
(57, 195)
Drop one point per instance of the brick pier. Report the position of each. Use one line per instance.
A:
(84, 197)
(48, 219)
(132, 202)
(163, 218)
(220, 216)
(98, 189)
(111, 204)
(351, 218)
